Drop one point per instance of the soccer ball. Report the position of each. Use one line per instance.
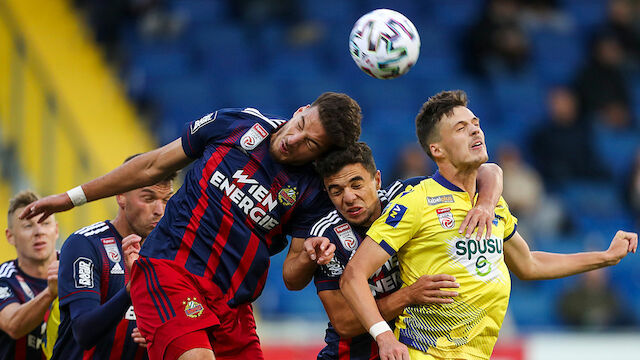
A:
(384, 44)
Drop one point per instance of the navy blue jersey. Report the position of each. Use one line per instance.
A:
(18, 287)
(237, 204)
(92, 268)
(383, 282)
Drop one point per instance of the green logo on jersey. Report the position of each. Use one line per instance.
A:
(471, 247)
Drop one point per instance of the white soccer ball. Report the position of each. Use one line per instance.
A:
(384, 44)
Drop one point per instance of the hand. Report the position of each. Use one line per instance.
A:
(47, 206)
(319, 249)
(479, 217)
(131, 249)
(391, 349)
(52, 278)
(426, 290)
(138, 338)
(622, 244)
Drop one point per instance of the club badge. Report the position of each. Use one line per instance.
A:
(288, 195)
(192, 308)
(446, 218)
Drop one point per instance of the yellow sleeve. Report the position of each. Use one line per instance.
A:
(511, 222)
(399, 221)
(51, 332)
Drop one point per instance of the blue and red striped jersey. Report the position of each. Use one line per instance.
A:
(92, 268)
(384, 281)
(18, 287)
(237, 204)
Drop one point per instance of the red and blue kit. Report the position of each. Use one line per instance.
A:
(96, 316)
(233, 212)
(18, 287)
(384, 281)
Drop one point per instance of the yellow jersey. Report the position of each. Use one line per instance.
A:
(421, 227)
(51, 332)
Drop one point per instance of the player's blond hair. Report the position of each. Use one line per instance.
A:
(20, 200)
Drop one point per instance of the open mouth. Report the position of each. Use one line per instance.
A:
(476, 145)
(39, 245)
(283, 147)
(355, 211)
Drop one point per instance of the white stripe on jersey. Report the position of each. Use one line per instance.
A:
(93, 229)
(394, 190)
(321, 226)
(273, 122)
(7, 269)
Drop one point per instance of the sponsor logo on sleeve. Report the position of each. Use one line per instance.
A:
(203, 121)
(253, 137)
(446, 218)
(346, 236)
(5, 293)
(111, 248)
(83, 272)
(395, 215)
(435, 200)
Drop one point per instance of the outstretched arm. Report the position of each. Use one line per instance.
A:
(302, 258)
(144, 170)
(539, 265)
(424, 291)
(489, 192)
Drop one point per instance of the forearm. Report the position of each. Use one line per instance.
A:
(489, 184)
(90, 322)
(357, 293)
(29, 315)
(552, 266)
(298, 270)
(390, 307)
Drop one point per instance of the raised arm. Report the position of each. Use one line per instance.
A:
(539, 265)
(424, 291)
(489, 192)
(143, 170)
(302, 258)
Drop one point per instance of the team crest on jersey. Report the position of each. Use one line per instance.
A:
(4, 292)
(253, 137)
(435, 200)
(192, 308)
(203, 121)
(288, 195)
(111, 248)
(346, 236)
(446, 218)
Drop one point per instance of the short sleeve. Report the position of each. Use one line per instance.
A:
(7, 295)
(79, 274)
(510, 221)
(197, 134)
(399, 221)
(327, 277)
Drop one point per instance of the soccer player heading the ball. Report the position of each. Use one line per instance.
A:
(419, 227)
(251, 184)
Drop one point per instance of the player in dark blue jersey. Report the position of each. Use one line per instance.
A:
(250, 185)
(353, 184)
(96, 316)
(28, 284)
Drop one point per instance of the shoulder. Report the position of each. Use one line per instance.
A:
(7, 269)
(398, 186)
(87, 236)
(322, 226)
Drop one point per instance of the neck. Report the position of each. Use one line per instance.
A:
(36, 269)
(122, 225)
(464, 178)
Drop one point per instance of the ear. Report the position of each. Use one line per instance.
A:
(436, 150)
(121, 200)
(10, 239)
(378, 178)
(301, 109)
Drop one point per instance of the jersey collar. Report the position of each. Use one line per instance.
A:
(444, 182)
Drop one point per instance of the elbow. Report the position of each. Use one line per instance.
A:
(292, 283)
(345, 329)
(13, 333)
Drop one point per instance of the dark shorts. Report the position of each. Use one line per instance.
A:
(170, 302)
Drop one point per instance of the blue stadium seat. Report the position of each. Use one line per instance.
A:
(586, 13)
(616, 150)
(200, 12)
(556, 55)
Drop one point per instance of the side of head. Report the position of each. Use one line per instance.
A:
(448, 131)
(143, 208)
(352, 182)
(332, 121)
(33, 241)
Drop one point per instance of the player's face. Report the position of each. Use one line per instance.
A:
(354, 192)
(34, 242)
(462, 140)
(143, 208)
(301, 140)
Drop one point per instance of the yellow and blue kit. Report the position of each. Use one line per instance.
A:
(421, 227)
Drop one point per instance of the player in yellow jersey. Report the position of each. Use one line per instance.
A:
(419, 226)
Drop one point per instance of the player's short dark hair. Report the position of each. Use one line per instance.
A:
(432, 112)
(357, 153)
(340, 116)
(166, 179)
(20, 200)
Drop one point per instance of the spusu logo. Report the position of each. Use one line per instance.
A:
(481, 256)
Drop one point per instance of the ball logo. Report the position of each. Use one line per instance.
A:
(192, 308)
(253, 137)
(110, 246)
(446, 218)
(346, 236)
